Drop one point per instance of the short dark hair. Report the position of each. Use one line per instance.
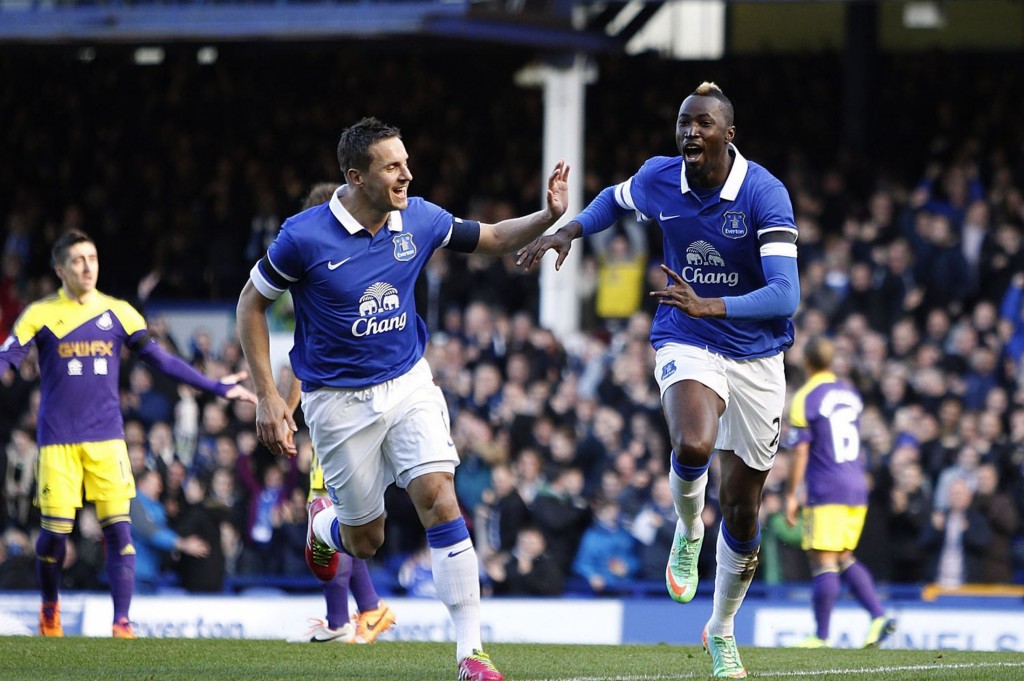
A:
(711, 89)
(319, 193)
(64, 243)
(354, 145)
(818, 353)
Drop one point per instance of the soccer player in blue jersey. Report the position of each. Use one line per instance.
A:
(375, 616)
(374, 413)
(721, 327)
(827, 462)
(78, 333)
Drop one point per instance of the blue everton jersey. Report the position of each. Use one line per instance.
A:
(355, 316)
(826, 414)
(711, 240)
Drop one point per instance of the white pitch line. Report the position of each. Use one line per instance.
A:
(798, 674)
(898, 668)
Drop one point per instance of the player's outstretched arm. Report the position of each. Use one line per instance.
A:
(508, 235)
(599, 215)
(175, 367)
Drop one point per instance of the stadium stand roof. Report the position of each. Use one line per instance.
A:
(31, 21)
(671, 27)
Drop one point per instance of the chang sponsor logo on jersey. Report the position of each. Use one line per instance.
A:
(376, 303)
(705, 265)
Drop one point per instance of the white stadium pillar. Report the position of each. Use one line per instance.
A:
(564, 108)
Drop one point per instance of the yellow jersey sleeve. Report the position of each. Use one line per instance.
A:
(129, 317)
(34, 318)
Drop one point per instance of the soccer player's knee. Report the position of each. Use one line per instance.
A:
(365, 544)
(693, 452)
(51, 545)
(435, 500)
(363, 550)
(118, 536)
(741, 519)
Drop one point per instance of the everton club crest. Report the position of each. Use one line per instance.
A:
(734, 224)
(405, 249)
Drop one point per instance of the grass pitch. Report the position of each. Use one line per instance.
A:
(38, 659)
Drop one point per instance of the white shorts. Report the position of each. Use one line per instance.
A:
(754, 392)
(367, 439)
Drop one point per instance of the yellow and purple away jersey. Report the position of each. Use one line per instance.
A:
(826, 414)
(79, 348)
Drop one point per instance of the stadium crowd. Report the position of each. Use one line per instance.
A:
(911, 258)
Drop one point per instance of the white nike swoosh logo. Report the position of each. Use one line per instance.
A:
(336, 265)
(662, 216)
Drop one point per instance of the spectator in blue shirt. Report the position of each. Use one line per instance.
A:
(607, 555)
(151, 535)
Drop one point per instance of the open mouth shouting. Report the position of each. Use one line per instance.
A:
(693, 153)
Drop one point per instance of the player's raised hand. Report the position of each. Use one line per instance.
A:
(558, 190)
(681, 295)
(275, 426)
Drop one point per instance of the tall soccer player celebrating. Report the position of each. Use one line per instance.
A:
(78, 333)
(375, 415)
(720, 330)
